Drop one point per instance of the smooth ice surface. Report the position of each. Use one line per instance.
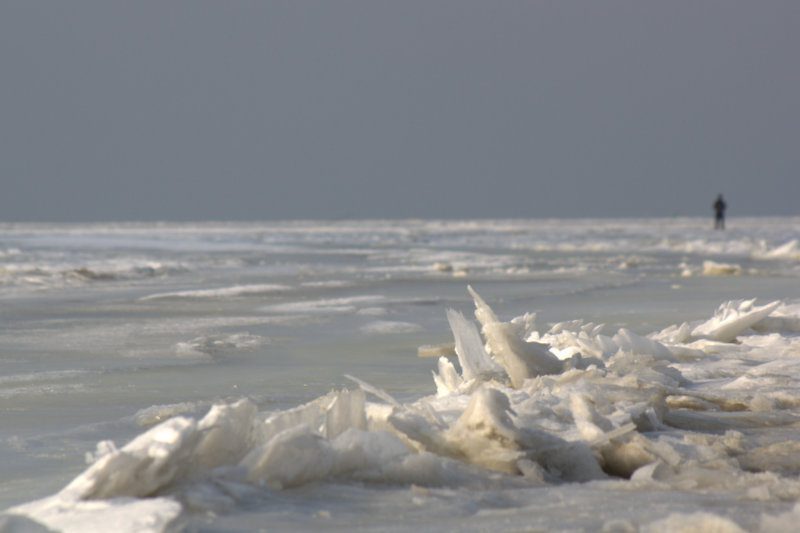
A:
(267, 376)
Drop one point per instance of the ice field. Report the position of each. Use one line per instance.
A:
(575, 375)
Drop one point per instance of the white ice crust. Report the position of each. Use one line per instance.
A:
(523, 405)
(222, 292)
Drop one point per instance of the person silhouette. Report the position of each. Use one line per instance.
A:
(719, 213)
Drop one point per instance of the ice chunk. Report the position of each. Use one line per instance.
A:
(571, 338)
(358, 451)
(441, 266)
(674, 334)
(732, 318)
(380, 393)
(447, 379)
(474, 361)
(560, 459)
(428, 469)
(786, 318)
(422, 433)
(521, 360)
(328, 415)
(526, 325)
(345, 411)
(622, 451)
(485, 433)
(445, 349)
(146, 464)
(567, 325)
(227, 433)
(630, 342)
(712, 268)
(293, 457)
(591, 425)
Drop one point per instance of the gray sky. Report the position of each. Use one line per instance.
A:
(204, 109)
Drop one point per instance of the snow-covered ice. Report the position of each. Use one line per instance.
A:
(608, 398)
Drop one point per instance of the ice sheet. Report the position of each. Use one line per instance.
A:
(616, 399)
(629, 417)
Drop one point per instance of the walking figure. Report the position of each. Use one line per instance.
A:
(719, 213)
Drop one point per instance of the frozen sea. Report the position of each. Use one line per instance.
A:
(611, 375)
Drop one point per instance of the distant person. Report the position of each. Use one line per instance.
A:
(719, 213)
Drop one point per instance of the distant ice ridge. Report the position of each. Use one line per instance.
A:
(388, 327)
(522, 406)
(58, 274)
(713, 268)
(222, 292)
(788, 250)
(680, 242)
(325, 306)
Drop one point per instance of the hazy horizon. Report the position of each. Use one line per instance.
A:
(193, 111)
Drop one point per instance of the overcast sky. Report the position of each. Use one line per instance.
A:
(173, 110)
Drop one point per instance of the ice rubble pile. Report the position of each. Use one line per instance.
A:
(522, 405)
